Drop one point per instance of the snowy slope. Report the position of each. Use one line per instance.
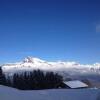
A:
(7, 93)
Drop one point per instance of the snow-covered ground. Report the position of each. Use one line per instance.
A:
(7, 93)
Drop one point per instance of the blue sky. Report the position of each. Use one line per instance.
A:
(50, 29)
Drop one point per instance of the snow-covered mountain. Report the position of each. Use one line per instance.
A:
(63, 68)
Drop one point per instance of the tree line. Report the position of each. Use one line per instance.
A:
(36, 79)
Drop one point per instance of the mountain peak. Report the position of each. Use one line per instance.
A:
(30, 59)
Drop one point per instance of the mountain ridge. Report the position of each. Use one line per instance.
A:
(72, 70)
(36, 63)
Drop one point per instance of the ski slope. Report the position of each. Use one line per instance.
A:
(7, 93)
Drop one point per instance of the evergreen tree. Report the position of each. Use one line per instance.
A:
(2, 77)
(35, 80)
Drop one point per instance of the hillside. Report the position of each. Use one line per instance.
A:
(7, 93)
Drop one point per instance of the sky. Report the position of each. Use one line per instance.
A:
(67, 30)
